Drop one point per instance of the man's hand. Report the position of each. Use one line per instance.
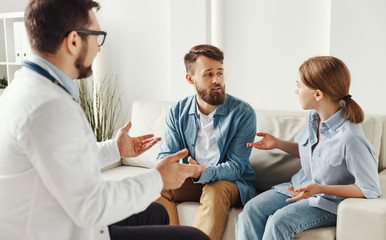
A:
(133, 146)
(304, 192)
(193, 162)
(174, 173)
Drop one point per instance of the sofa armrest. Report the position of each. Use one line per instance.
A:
(360, 218)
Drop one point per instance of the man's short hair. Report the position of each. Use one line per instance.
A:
(49, 21)
(206, 50)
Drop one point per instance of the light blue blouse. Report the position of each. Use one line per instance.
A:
(343, 156)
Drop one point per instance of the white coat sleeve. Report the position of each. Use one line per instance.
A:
(63, 151)
(108, 153)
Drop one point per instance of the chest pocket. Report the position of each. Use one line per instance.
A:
(334, 159)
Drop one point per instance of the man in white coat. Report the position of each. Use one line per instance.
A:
(50, 181)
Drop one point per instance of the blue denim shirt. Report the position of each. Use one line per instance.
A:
(234, 125)
(343, 156)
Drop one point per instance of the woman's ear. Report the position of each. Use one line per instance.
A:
(189, 78)
(318, 95)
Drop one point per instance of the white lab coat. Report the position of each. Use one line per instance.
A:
(50, 181)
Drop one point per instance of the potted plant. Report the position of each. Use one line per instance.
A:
(101, 104)
(3, 83)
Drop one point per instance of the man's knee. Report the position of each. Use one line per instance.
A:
(221, 189)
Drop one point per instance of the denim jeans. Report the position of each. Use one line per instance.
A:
(268, 216)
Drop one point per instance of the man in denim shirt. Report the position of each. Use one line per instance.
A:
(215, 127)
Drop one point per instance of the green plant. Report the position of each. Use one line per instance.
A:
(3, 82)
(101, 104)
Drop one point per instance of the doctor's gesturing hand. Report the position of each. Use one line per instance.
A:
(174, 173)
(133, 146)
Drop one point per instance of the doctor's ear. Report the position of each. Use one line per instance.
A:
(189, 78)
(318, 95)
(73, 43)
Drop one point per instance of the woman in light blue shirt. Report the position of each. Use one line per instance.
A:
(336, 158)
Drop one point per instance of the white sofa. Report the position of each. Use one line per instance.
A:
(357, 218)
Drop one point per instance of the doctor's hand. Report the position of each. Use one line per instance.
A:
(174, 173)
(268, 142)
(133, 146)
(304, 192)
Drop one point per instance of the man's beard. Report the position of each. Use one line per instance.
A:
(83, 71)
(212, 98)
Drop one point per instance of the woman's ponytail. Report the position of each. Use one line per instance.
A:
(352, 110)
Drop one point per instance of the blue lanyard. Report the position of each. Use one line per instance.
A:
(33, 66)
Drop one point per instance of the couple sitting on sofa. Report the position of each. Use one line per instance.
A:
(218, 130)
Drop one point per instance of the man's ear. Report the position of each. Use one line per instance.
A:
(318, 95)
(189, 78)
(73, 43)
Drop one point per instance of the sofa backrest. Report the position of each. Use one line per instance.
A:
(271, 167)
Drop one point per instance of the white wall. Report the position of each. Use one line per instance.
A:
(358, 37)
(264, 42)
(12, 6)
(145, 45)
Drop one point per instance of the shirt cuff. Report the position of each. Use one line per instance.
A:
(206, 176)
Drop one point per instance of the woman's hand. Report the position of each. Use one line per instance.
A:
(268, 142)
(304, 192)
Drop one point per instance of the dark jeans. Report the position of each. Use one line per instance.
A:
(152, 224)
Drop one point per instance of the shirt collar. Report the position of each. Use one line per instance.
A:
(65, 80)
(220, 110)
(333, 122)
(336, 120)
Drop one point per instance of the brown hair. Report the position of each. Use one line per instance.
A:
(201, 50)
(331, 76)
(49, 21)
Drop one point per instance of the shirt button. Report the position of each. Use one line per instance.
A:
(102, 231)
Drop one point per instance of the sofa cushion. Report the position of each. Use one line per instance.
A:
(372, 128)
(275, 166)
(147, 117)
(382, 151)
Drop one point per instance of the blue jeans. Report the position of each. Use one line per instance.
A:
(269, 217)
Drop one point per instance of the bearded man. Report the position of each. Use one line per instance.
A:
(215, 127)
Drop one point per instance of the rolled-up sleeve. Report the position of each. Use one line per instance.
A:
(362, 164)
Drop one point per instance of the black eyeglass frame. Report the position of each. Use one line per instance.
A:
(91, 32)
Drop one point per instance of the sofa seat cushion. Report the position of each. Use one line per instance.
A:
(186, 212)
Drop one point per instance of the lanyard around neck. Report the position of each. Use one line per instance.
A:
(33, 66)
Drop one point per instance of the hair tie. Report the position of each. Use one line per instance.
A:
(346, 97)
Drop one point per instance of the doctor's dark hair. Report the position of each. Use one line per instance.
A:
(331, 76)
(48, 21)
(206, 50)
